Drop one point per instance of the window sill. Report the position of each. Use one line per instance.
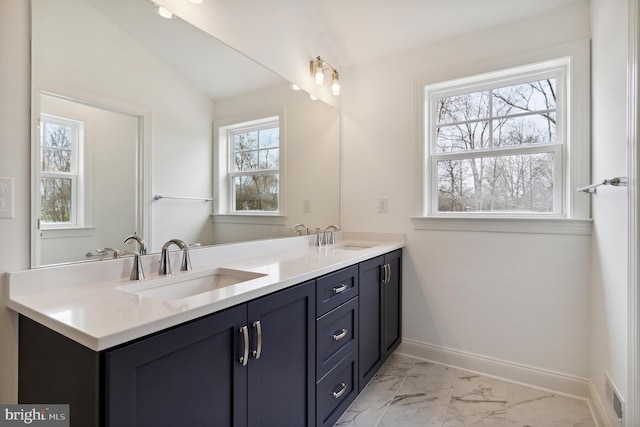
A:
(239, 218)
(506, 225)
(65, 232)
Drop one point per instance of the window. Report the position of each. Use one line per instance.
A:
(249, 179)
(254, 165)
(496, 143)
(60, 165)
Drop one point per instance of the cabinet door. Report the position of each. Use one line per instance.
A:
(281, 385)
(187, 376)
(371, 354)
(392, 331)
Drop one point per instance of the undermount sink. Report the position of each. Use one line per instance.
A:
(189, 285)
(354, 247)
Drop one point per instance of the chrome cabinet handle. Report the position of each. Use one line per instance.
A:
(337, 394)
(245, 333)
(387, 274)
(340, 335)
(339, 289)
(256, 353)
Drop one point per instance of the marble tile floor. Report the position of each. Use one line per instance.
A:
(409, 392)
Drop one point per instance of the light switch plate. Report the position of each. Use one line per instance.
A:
(6, 198)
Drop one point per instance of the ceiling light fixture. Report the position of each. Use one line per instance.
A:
(317, 67)
(196, 1)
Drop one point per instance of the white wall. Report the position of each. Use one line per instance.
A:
(521, 298)
(311, 160)
(609, 324)
(14, 162)
(117, 70)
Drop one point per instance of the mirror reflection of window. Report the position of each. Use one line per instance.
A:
(254, 167)
(61, 140)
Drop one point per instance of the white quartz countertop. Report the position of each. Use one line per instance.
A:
(96, 303)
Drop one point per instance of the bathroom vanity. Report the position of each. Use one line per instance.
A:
(291, 343)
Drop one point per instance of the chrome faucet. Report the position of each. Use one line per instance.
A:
(299, 228)
(142, 245)
(137, 272)
(330, 229)
(165, 263)
(105, 251)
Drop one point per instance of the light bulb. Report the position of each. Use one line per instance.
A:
(318, 71)
(165, 13)
(335, 85)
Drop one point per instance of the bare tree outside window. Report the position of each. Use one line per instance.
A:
(255, 169)
(58, 145)
(491, 148)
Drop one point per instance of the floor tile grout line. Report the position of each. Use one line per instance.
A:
(395, 393)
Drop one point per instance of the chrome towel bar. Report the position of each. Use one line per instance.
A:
(203, 199)
(620, 181)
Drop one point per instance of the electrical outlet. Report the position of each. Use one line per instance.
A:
(6, 198)
(383, 205)
(306, 206)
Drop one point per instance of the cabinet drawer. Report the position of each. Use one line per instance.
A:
(335, 289)
(336, 336)
(336, 391)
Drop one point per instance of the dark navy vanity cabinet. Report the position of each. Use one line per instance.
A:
(297, 357)
(380, 311)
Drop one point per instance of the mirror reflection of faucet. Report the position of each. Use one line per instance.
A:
(300, 230)
(142, 245)
(105, 251)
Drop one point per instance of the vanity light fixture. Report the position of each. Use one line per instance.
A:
(317, 67)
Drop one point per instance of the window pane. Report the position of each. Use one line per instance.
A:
(468, 136)
(55, 200)
(56, 148)
(533, 129)
(269, 138)
(245, 161)
(256, 192)
(516, 183)
(269, 159)
(245, 141)
(534, 96)
(462, 107)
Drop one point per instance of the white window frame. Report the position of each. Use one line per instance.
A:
(574, 217)
(75, 175)
(557, 70)
(224, 204)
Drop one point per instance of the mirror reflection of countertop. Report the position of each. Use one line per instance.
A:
(97, 305)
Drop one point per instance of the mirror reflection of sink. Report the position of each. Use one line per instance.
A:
(189, 286)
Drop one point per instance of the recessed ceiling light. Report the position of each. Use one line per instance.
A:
(196, 1)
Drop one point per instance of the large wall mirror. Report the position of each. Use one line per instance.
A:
(140, 124)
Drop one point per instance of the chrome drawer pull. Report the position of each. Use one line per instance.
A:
(339, 336)
(245, 333)
(343, 388)
(339, 289)
(258, 350)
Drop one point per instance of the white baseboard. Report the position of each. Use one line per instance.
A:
(513, 372)
(510, 371)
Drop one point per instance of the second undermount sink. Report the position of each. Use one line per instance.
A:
(193, 284)
(354, 247)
